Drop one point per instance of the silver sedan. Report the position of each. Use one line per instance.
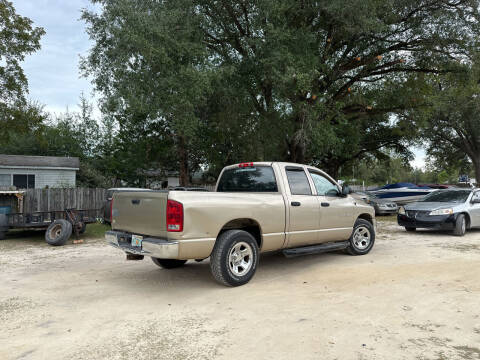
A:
(452, 209)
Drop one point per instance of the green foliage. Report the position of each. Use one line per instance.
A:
(323, 82)
(18, 38)
(453, 129)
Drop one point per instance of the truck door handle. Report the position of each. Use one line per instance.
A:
(325, 204)
(295, 203)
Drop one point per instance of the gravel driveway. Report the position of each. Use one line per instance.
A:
(415, 296)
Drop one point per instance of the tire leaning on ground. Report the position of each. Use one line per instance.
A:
(58, 232)
(410, 229)
(168, 263)
(234, 258)
(362, 238)
(460, 225)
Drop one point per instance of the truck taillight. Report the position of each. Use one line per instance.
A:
(174, 216)
(244, 165)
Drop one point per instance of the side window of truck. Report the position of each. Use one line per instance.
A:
(298, 181)
(323, 185)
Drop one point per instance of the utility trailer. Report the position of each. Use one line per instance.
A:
(59, 224)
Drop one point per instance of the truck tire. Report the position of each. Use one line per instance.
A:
(362, 238)
(234, 258)
(410, 229)
(460, 225)
(58, 232)
(168, 263)
(2, 235)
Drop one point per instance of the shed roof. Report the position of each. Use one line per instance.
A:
(39, 161)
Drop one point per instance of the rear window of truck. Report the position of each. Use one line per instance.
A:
(248, 179)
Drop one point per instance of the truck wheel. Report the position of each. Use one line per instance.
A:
(58, 232)
(168, 263)
(460, 225)
(362, 238)
(410, 229)
(234, 258)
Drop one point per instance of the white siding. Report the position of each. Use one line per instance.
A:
(52, 178)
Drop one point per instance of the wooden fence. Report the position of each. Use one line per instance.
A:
(60, 199)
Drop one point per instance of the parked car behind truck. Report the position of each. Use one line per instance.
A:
(257, 207)
(381, 206)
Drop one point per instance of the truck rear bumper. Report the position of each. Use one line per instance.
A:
(154, 247)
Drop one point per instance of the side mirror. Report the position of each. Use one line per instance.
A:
(476, 200)
(346, 190)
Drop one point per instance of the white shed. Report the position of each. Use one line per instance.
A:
(37, 172)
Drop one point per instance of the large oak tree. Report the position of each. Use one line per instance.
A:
(324, 82)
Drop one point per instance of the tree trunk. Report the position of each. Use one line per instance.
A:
(476, 167)
(296, 151)
(296, 146)
(183, 162)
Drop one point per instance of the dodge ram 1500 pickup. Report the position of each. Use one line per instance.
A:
(256, 207)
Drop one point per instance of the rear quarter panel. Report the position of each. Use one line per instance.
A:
(206, 213)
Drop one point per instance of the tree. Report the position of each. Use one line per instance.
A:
(18, 38)
(321, 82)
(328, 75)
(453, 130)
(148, 62)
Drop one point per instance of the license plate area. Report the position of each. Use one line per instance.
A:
(136, 241)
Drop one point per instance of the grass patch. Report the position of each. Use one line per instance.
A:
(95, 230)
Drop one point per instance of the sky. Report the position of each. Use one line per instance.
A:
(53, 71)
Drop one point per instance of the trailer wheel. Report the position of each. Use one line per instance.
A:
(58, 232)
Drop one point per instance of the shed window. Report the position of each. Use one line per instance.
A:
(24, 181)
(5, 180)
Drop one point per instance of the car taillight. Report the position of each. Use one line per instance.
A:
(111, 210)
(174, 216)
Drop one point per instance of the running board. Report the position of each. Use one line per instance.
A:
(316, 249)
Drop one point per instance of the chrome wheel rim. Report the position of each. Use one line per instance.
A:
(463, 225)
(240, 258)
(361, 238)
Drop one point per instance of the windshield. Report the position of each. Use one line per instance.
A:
(248, 179)
(457, 196)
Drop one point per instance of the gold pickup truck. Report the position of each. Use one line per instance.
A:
(256, 207)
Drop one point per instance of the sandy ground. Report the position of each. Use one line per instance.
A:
(415, 296)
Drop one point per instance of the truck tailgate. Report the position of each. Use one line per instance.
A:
(140, 212)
